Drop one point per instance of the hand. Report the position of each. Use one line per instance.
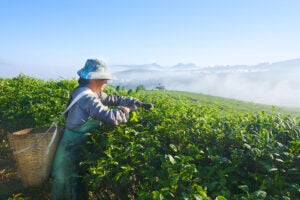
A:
(127, 109)
(133, 108)
(147, 106)
(130, 109)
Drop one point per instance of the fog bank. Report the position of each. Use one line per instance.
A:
(274, 84)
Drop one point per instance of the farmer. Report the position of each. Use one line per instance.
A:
(86, 114)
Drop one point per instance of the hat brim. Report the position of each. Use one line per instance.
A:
(97, 75)
(101, 75)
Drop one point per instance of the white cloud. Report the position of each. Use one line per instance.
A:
(268, 84)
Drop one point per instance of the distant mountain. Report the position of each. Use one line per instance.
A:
(119, 68)
(273, 83)
(185, 67)
(283, 66)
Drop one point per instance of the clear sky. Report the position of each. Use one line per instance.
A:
(62, 34)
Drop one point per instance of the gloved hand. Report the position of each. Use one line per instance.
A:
(133, 108)
(147, 106)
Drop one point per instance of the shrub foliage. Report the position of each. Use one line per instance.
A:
(179, 150)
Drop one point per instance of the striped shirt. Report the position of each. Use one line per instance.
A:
(95, 106)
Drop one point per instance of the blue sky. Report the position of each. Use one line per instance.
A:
(59, 35)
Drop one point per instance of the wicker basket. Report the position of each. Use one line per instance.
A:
(34, 164)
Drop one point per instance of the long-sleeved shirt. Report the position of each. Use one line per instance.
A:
(95, 106)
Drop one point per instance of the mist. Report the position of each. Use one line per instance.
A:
(275, 84)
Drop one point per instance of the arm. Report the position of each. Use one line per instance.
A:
(110, 100)
(97, 111)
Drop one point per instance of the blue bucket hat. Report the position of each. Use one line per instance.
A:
(95, 69)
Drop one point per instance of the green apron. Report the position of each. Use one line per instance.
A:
(67, 180)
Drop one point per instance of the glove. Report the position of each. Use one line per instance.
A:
(133, 108)
(147, 106)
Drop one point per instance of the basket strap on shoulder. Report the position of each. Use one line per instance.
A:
(57, 119)
(55, 124)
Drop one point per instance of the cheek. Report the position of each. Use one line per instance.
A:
(103, 86)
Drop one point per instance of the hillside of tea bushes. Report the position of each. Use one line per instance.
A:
(190, 146)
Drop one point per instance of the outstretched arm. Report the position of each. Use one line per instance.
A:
(115, 100)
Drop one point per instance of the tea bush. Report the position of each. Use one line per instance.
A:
(182, 149)
(30, 102)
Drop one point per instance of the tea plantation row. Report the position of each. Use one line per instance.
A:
(180, 150)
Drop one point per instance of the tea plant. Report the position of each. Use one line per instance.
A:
(182, 149)
(29, 102)
(187, 151)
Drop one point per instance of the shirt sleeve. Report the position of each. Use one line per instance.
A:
(114, 100)
(97, 111)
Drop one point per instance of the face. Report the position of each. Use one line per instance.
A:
(102, 84)
(99, 84)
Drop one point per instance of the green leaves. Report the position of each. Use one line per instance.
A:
(29, 102)
(259, 194)
(244, 188)
(179, 150)
(183, 148)
(171, 159)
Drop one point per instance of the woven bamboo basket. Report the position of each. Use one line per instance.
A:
(34, 164)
